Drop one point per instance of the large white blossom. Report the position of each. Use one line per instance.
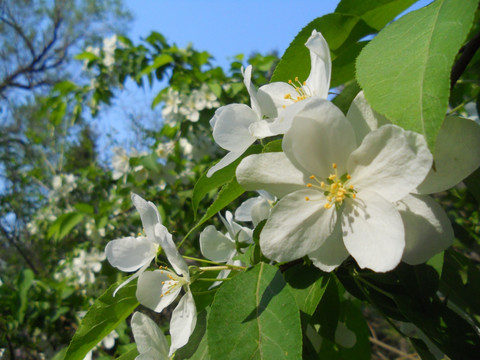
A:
(237, 126)
(338, 198)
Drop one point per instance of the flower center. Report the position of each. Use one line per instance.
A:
(335, 188)
(174, 282)
(301, 91)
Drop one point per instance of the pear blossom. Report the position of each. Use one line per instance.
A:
(151, 343)
(159, 288)
(136, 253)
(338, 198)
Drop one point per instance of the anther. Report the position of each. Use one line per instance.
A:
(312, 177)
(309, 185)
(334, 165)
(307, 198)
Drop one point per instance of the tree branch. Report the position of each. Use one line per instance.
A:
(468, 51)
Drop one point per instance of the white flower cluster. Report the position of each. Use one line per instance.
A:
(121, 162)
(159, 288)
(108, 50)
(353, 185)
(82, 268)
(179, 106)
(348, 185)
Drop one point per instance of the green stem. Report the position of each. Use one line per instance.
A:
(212, 280)
(222, 267)
(200, 260)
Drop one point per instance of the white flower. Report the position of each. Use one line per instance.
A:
(337, 198)
(289, 98)
(120, 162)
(237, 126)
(457, 155)
(109, 46)
(255, 209)
(158, 289)
(136, 253)
(223, 248)
(151, 343)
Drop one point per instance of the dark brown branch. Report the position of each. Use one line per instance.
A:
(468, 51)
(13, 242)
(37, 64)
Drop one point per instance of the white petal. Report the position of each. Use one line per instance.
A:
(131, 278)
(332, 252)
(428, 230)
(260, 211)
(260, 129)
(373, 231)
(457, 154)
(173, 256)
(236, 231)
(321, 65)
(148, 213)
(215, 246)
(247, 80)
(148, 336)
(283, 121)
(363, 118)
(274, 93)
(320, 135)
(297, 227)
(272, 172)
(390, 161)
(225, 161)
(129, 254)
(232, 124)
(184, 319)
(244, 211)
(152, 293)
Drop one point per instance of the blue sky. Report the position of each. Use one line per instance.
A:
(224, 28)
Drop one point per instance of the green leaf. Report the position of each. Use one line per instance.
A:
(84, 208)
(405, 70)
(422, 349)
(103, 316)
(129, 355)
(229, 192)
(64, 224)
(206, 184)
(375, 13)
(351, 21)
(335, 28)
(159, 61)
(473, 184)
(24, 282)
(307, 284)
(254, 316)
(353, 326)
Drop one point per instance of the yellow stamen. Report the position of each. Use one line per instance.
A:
(307, 198)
